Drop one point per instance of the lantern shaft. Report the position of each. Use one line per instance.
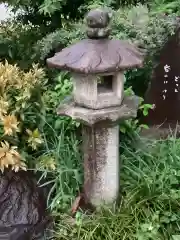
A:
(101, 163)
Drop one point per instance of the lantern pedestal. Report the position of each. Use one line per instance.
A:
(101, 163)
(101, 147)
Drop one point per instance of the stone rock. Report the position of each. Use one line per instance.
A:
(23, 213)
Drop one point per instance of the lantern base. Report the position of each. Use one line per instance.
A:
(127, 110)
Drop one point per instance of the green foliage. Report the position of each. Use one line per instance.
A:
(149, 32)
(60, 163)
(59, 38)
(51, 7)
(142, 27)
(45, 11)
(28, 109)
(55, 95)
(166, 6)
(150, 199)
(16, 41)
(130, 129)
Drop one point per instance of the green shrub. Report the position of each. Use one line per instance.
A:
(28, 118)
(21, 107)
(55, 95)
(16, 41)
(165, 6)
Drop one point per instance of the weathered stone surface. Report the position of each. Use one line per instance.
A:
(98, 18)
(23, 213)
(127, 110)
(97, 21)
(89, 93)
(101, 163)
(97, 56)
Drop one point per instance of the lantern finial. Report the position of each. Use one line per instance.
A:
(98, 24)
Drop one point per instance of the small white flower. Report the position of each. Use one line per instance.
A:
(154, 106)
(175, 90)
(166, 76)
(177, 85)
(150, 228)
(167, 68)
(164, 97)
(176, 78)
(165, 90)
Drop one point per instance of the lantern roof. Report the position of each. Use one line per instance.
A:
(98, 53)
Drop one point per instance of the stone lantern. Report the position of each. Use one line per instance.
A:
(97, 65)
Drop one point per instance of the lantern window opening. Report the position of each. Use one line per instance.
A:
(105, 84)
